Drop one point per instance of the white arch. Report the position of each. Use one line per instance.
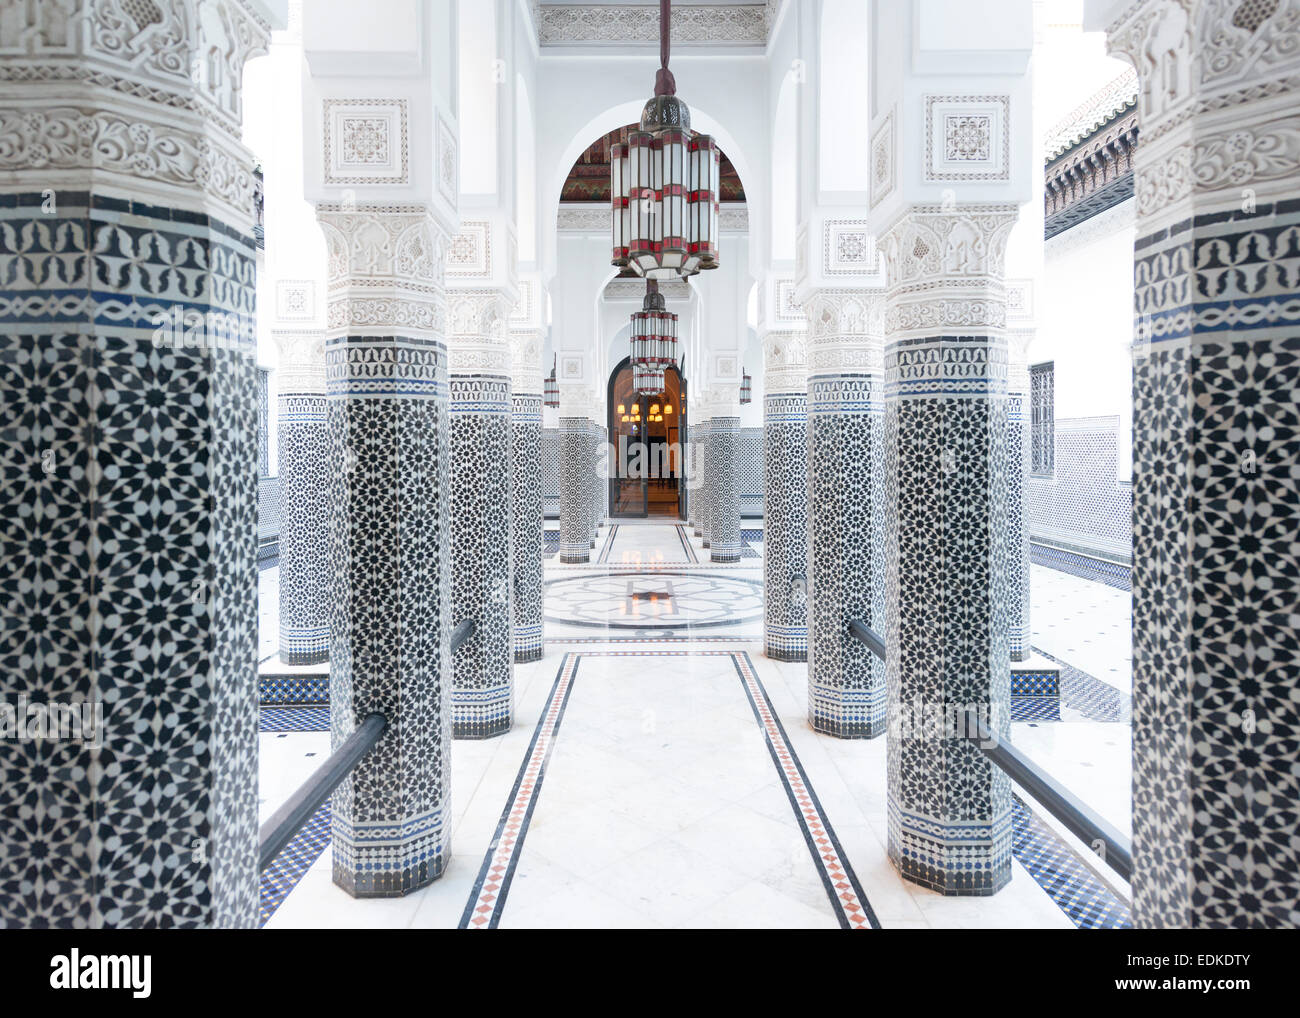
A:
(626, 113)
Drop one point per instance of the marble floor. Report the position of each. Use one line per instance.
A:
(678, 784)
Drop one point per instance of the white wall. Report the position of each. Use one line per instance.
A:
(1086, 322)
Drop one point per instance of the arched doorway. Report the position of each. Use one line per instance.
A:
(646, 433)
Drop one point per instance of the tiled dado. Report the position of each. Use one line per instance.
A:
(482, 669)
(390, 551)
(88, 375)
(490, 894)
(846, 543)
(785, 510)
(526, 485)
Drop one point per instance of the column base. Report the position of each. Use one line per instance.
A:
(720, 554)
(848, 713)
(958, 859)
(575, 554)
(528, 644)
(1021, 650)
(786, 643)
(481, 713)
(304, 646)
(389, 860)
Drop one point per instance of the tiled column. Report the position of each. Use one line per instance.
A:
(846, 510)
(304, 498)
(482, 669)
(946, 539)
(390, 542)
(785, 496)
(526, 493)
(700, 490)
(722, 467)
(128, 464)
(1019, 635)
(1216, 557)
(575, 530)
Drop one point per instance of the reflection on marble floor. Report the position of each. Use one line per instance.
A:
(661, 799)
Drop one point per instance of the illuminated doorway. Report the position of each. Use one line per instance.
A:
(645, 435)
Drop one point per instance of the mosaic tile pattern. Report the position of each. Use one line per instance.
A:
(528, 546)
(1089, 903)
(390, 548)
(294, 860)
(575, 531)
(724, 513)
(177, 424)
(293, 689)
(304, 546)
(482, 669)
(1081, 504)
(846, 682)
(1113, 574)
(785, 511)
(294, 719)
(1214, 639)
(751, 456)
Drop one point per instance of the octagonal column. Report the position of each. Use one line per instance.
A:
(1216, 439)
(304, 484)
(390, 541)
(526, 492)
(946, 544)
(785, 496)
(482, 691)
(846, 510)
(129, 466)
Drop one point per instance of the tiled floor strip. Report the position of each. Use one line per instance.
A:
(488, 896)
(1088, 902)
(847, 899)
(295, 859)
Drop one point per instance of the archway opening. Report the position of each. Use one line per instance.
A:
(646, 433)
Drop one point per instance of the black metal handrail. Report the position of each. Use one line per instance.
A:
(289, 819)
(1113, 848)
(461, 633)
(868, 636)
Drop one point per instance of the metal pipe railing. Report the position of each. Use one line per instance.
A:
(461, 633)
(868, 636)
(1112, 848)
(1115, 850)
(289, 819)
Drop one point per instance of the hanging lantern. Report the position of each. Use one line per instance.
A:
(746, 388)
(665, 185)
(551, 389)
(654, 332)
(647, 381)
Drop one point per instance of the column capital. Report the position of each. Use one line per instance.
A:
(477, 341)
(526, 359)
(845, 329)
(385, 269)
(151, 110)
(785, 360)
(944, 265)
(302, 359)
